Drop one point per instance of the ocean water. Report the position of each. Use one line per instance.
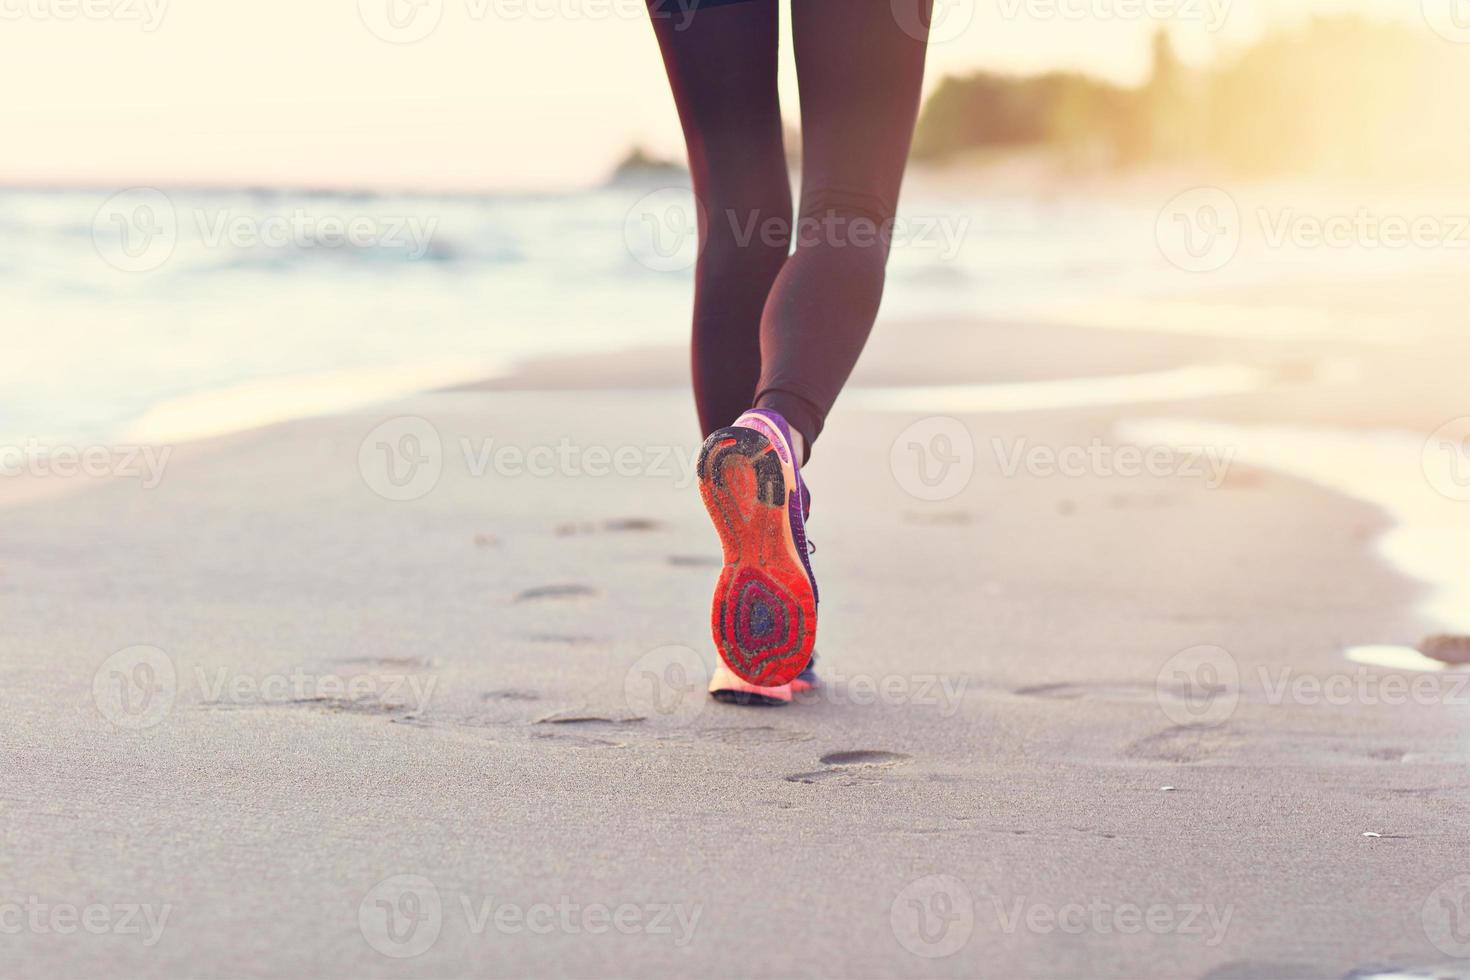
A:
(1417, 484)
(159, 314)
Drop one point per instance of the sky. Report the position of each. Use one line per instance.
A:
(460, 94)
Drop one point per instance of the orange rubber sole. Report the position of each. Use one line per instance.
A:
(764, 613)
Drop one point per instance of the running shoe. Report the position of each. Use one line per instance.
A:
(764, 613)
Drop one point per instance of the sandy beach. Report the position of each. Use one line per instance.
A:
(417, 690)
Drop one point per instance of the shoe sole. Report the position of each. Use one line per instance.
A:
(735, 691)
(726, 688)
(764, 613)
(750, 699)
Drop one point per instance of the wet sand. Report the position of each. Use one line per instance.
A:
(487, 686)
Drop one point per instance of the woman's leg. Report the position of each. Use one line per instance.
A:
(860, 73)
(721, 63)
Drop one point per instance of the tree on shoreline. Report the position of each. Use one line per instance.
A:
(1340, 95)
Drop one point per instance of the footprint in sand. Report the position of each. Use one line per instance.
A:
(576, 717)
(479, 728)
(758, 735)
(554, 592)
(1191, 744)
(1186, 744)
(1069, 691)
(577, 728)
(1254, 969)
(325, 705)
(851, 767)
(621, 525)
(694, 561)
(865, 757)
(510, 694)
(397, 663)
(579, 741)
(566, 639)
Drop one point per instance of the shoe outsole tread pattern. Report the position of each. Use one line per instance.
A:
(763, 615)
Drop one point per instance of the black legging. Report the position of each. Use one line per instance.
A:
(772, 331)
